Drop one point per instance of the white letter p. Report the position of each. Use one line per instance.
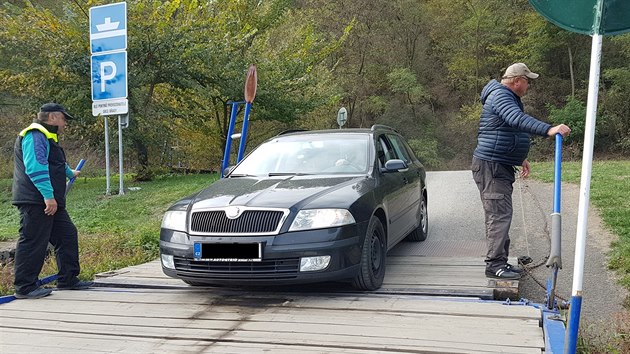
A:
(109, 76)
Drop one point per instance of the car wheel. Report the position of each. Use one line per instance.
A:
(373, 258)
(422, 231)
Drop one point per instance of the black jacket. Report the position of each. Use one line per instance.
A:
(24, 191)
(504, 129)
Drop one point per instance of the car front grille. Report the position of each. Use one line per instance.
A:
(249, 222)
(265, 269)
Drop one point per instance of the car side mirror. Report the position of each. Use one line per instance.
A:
(227, 170)
(395, 165)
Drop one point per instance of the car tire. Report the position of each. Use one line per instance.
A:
(373, 257)
(422, 231)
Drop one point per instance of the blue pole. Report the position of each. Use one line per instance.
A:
(570, 346)
(71, 181)
(40, 282)
(555, 258)
(241, 148)
(557, 174)
(228, 139)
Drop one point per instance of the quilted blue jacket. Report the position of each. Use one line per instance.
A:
(504, 129)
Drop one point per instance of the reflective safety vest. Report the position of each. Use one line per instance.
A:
(42, 129)
(24, 191)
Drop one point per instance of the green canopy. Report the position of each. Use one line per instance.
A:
(580, 15)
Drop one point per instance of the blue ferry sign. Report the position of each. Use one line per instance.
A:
(108, 27)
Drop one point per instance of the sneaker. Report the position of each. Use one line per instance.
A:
(503, 273)
(516, 269)
(80, 285)
(35, 294)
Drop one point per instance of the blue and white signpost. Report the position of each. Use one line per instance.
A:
(596, 18)
(108, 45)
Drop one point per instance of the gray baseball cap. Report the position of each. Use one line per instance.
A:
(519, 69)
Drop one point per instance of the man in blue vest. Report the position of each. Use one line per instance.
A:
(502, 145)
(39, 186)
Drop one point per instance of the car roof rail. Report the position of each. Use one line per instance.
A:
(291, 131)
(382, 126)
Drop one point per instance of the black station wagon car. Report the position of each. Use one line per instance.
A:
(306, 206)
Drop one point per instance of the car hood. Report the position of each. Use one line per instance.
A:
(280, 192)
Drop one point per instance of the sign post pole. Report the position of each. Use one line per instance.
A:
(596, 18)
(121, 189)
(108, 191)
(108, 45)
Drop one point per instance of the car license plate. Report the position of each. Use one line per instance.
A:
(228, 252)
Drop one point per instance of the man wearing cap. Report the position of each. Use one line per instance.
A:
(502, 146)
(39, 185)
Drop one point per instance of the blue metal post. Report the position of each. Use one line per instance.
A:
(241, 148)
(555, 259)
(570, 345)
(557, 174)
(228, 139)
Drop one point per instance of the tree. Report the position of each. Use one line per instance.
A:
(187, 59)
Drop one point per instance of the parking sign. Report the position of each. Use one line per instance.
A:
(109, 76)
(109, 83)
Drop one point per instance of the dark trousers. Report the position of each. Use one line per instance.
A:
(36, 231)
(494, 181)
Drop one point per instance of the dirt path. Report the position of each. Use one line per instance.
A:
(603, 297)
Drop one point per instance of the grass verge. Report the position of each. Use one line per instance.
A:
(114, 231)
(610, 194)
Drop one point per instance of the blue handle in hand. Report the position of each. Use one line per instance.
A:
(71, 181)
(79, 166)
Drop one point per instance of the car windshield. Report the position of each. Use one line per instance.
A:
(309, 154)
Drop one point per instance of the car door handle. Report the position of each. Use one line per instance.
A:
(405, 180)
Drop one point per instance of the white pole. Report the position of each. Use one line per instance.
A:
(121, 189)
(585, 187)
(587, 163)
(107, 187)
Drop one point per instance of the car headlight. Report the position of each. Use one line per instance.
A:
(174, 220)
(321, 218)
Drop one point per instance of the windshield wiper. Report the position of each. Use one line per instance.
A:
(274, 174)
(241, 175)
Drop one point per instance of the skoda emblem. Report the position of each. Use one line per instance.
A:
(233, 212)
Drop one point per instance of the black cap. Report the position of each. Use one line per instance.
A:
(55, 107)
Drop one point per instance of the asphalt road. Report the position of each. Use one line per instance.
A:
(455, 213)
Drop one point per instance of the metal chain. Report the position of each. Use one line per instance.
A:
(528, 269)
(540, 283)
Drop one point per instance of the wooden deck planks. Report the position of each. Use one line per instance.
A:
(182, 319)
(195, 297)
(442, 276)
(271, 329)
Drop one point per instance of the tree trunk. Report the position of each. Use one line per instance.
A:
(571, 71)
(144, 174)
